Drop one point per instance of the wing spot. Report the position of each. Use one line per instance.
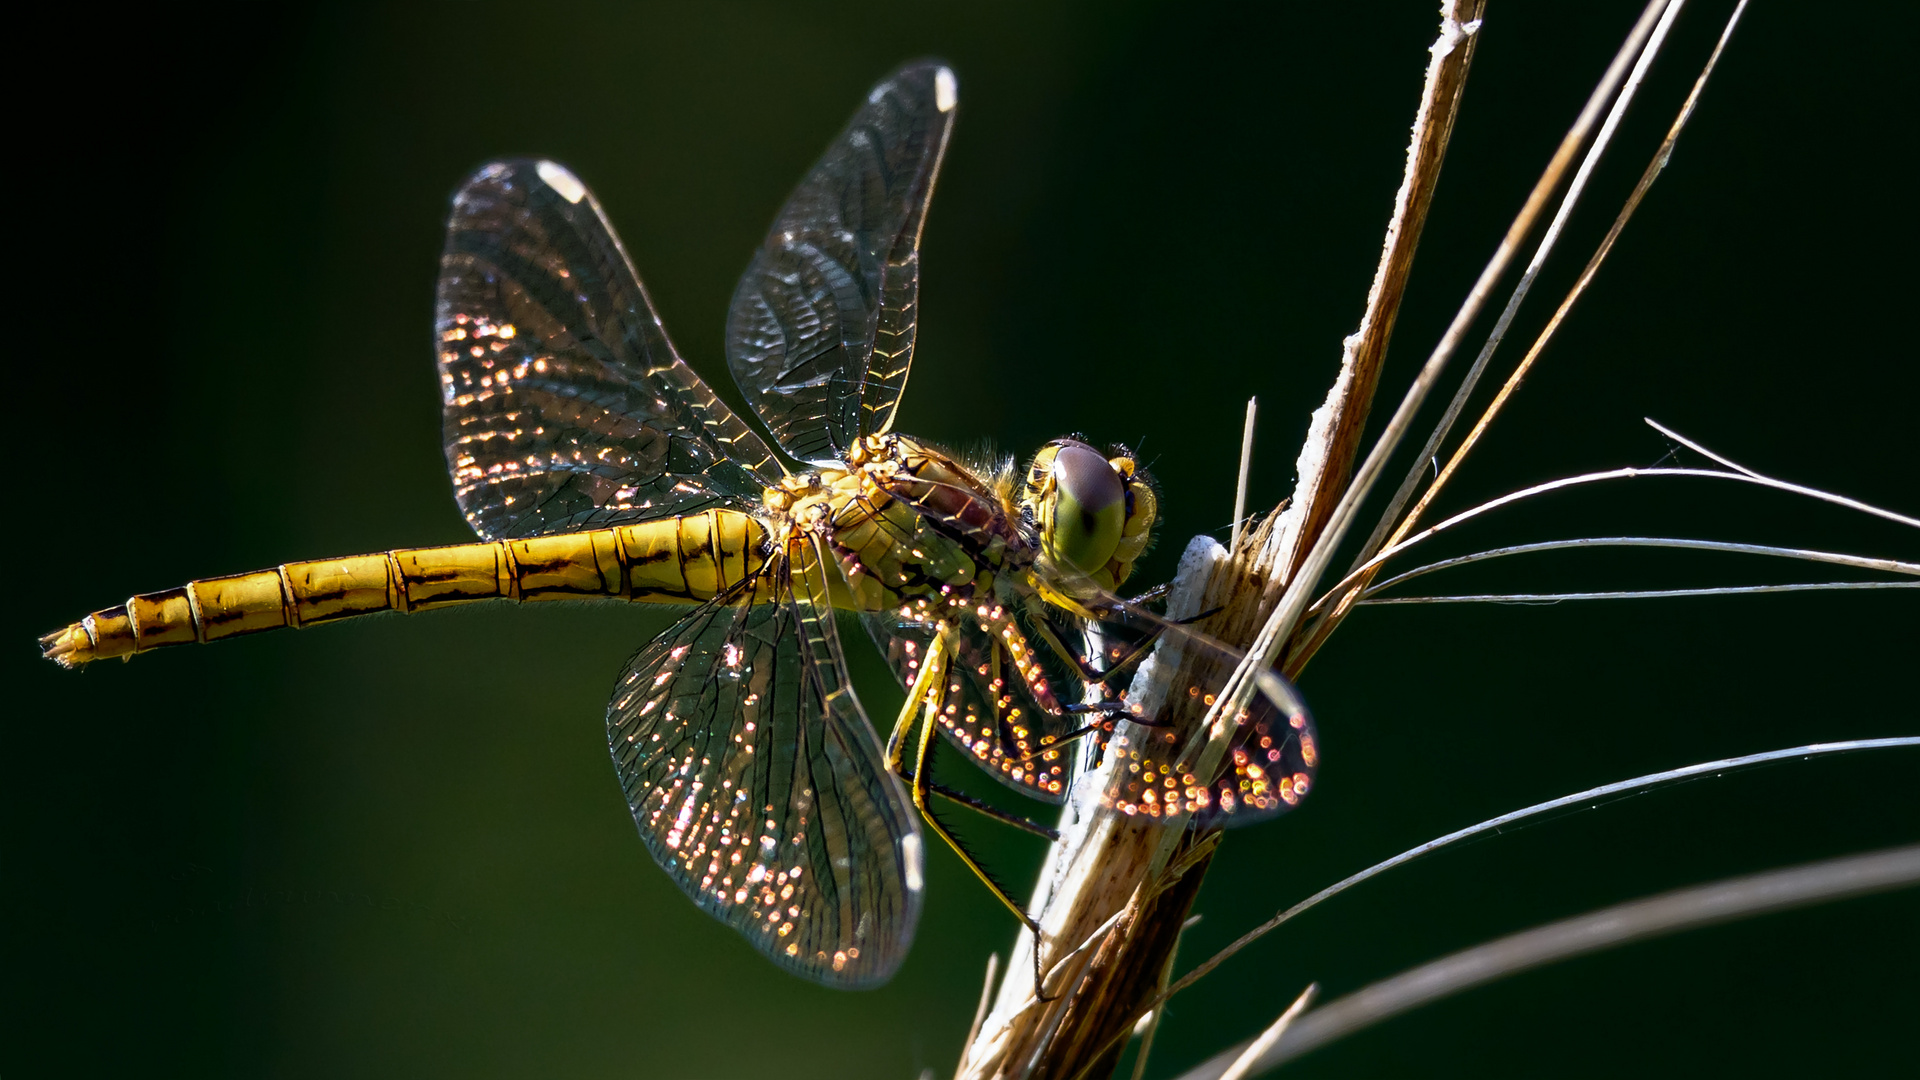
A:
(563, 182)
(910, 854)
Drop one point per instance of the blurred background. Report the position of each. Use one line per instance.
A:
(395, 847)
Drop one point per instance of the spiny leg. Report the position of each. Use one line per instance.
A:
(1004, 817)
(1084, 665)
(1109, 711)
(923, 684)
(1158, 592)
(928, 687)
(933, 672)
(1088, 673)
(920, 787)
(933, 668)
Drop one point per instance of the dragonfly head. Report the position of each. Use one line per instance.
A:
(1094, 512)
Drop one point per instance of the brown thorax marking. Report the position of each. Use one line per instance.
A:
(903, 520)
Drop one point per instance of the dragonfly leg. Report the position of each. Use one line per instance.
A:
(1131, 660)
(1064, 740)
(1084, 665)
(923, 684)
(961, 798)
(1088, 673)
(932, 670)
(927, 689)
(1100, 730)
(1112, 710)
(921, 783)
(921, 788)
(1158, 592)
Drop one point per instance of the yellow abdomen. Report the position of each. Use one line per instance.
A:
(681, 560)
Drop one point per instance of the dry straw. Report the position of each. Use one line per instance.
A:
(1115, 893)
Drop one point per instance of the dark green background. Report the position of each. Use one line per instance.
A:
(396, 848)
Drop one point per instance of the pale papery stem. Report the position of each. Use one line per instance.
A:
(1317, 635)
(1275, 635)
(1101, 861)
(1249, 1058)
(1246, 468)
(1391, 519)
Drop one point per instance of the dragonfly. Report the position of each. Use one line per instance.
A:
(593, 463)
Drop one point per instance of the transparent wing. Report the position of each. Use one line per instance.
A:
(1269, 768)
(759, 786)
(1000, 709)
(564, 403)
(821, 331)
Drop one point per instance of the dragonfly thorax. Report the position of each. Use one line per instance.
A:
(907, 522)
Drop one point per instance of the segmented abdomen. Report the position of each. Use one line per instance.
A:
(674, 560)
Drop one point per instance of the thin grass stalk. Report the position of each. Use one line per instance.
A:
(1652, 173)
(1837, 500)
(1249, 1058)
(1643, 594)
(980, 1010)
(1246, 468)
(1892, 566)
(1579, 800)
(1621, 924)
(1153, 1018)
(1340, 588)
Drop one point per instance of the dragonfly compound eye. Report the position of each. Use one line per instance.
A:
(1089, 509)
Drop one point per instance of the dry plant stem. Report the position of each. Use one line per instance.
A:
(1340, 516)
(1339, 590)
(1641, 594)
(1892, 566)
(1282, 623)
(1545, 248)
(1837, 500)
(1334, 434)
(1146, 1043)
(1153, 1018)
(1637, 920)
(1319, 633)
(1653, 170)
(1579, 800)
(1132, 970)
(986, 996)
(1246, 467)
(1250, 1057)
(1061, 998)
(1105, 865)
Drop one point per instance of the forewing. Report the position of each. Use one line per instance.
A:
(1268, 770)
(995, 709)
(759, 786)
(820, 335)
(564, 404)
